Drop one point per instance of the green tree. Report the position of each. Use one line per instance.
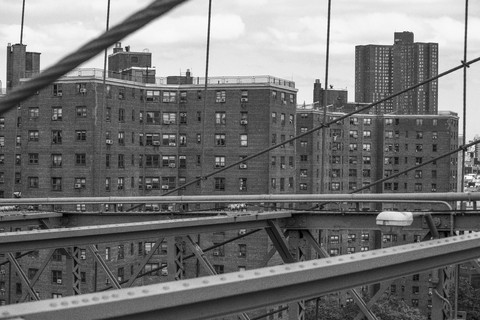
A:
(468, 299)
(388, 308)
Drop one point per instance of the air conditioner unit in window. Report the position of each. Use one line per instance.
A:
(149, 186)
(156, 143)
(59, 94)
(244, 121)
(166, 122)
(165, 187)
(54, 117)
(172, 144)
(283, 166)
(243, 166)
(164, 272)
(2, 271)
(171, 165)
(59, 281)
(216, 253)
(242, 231)
(78, 186)
(83, 90)
(109, 141)
(244, 99)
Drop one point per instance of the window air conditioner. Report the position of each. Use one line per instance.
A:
(171, 144)
(216, 253)
(59, 281)
(109, 141)
(156, 143)
(243, 166)
(54, 117)
(59, 94)
(78, 186)
(244, 121)
(83, 90)
(171, 165)
(149, 186)
(244, 99)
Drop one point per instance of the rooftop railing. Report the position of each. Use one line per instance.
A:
(142, 78)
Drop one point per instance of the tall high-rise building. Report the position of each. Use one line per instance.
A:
(382, 70)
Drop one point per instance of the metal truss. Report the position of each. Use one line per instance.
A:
(65, 237)
(207, 297)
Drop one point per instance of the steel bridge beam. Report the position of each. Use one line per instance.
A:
(64, 237)
(214, 296)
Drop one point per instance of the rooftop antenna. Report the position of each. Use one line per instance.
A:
(21, 28)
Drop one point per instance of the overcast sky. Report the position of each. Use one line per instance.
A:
(286, 39)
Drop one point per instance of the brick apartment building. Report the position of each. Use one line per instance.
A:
(141, 135)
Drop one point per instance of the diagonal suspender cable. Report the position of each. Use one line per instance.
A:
(89, 50)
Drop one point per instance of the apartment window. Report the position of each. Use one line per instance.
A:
(434, 187)
(80, 159)
(219, 161)
(33, 182)
(274, 117)
(419, 122)
(33, 135)
(419, 134)
(243, 140)
(367, 121)
(18, 177)
(121, 138)
(366, 160)
(80, 183)
(182, 162)
(33, 158)
(365, 236)
(334, 239)
(2, 141)
(57, 113)
(220, 118)
(56, 184)
(353, 121)
(303, 158)
(434, 148)
(274, 139)
(107, 184)
(81, 111)
(366, 173)
(57, 89)
(121, 252)
(434, 135)
(418, 187)
(33, 113)
(153, 95)
(242, 184)
(57, 276)
(81, 135)
(121, 161)
(57, 136)
(352, 237)
(183, 96)
(352, 185)
(220, 184)
(169, 96)
(353, 134)
(303, 173)
(273, 183)
(415, 303)
(334, 252)
(350, 250)
(416, 277)
(367, 147)
(168, 140)
(303, 186)
(389, 134)
(56, 160)
(418, 160)
(220, 139)
(183, 117)
(169, 161)
(220, 96)
(418, 174)
(352, 159)
(282, 119)
(242, 250)
(388, 121)
(291, 119)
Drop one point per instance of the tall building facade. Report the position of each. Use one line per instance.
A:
(367, 147)
(137, 134)
(382, 70)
